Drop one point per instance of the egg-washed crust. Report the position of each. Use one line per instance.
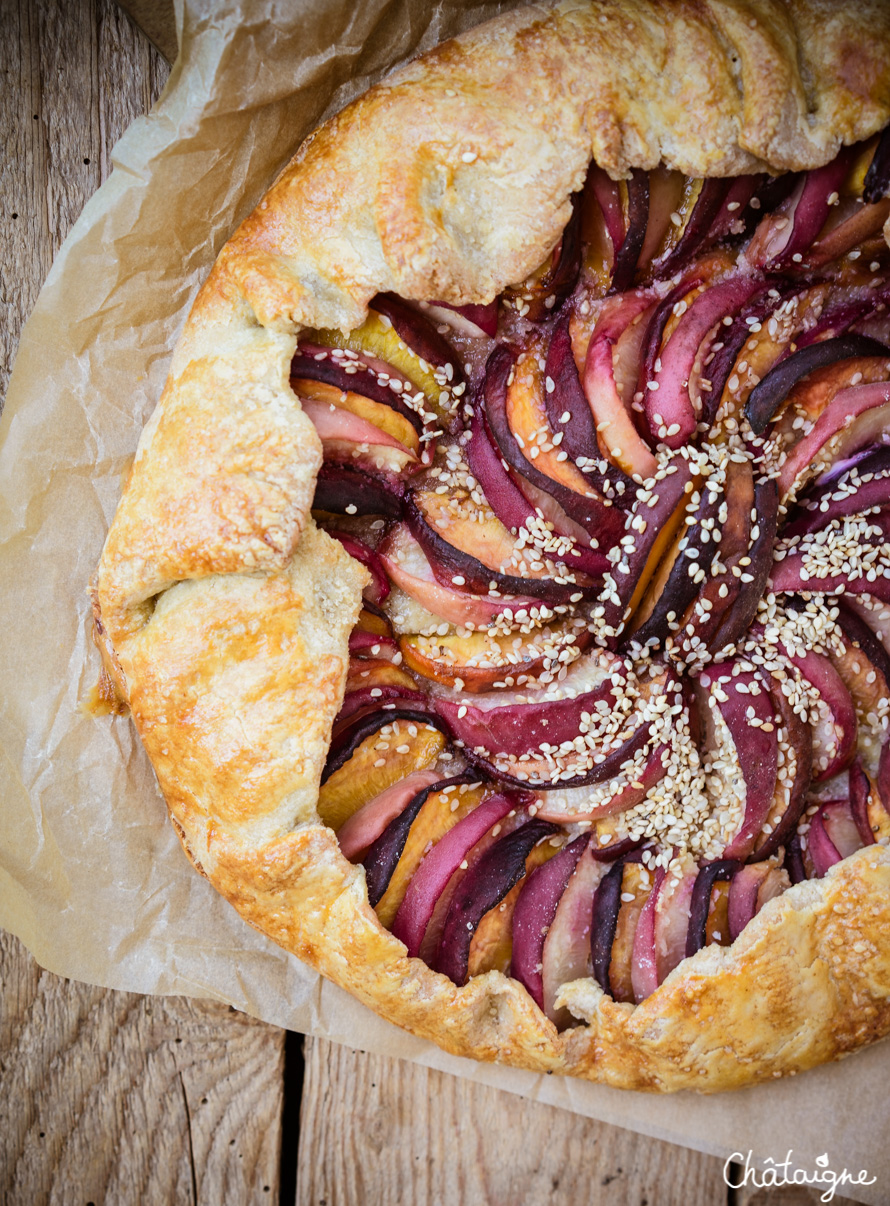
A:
(225, 613)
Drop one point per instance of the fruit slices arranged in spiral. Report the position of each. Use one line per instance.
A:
(622, 674)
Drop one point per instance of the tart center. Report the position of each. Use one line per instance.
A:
(622, 672)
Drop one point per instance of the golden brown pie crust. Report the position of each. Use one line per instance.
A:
(226, 613)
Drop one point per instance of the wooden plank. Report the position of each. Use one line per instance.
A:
(383, 1131)
(75, 74)
(116, 1097)
(105, 1096)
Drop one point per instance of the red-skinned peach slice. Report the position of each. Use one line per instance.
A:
(567, 409)
(566, 952)
(669, 408)
(384, 417)
(636, 888)
(629, 791)
(602, 211)
(790, 798)
(700, 904)
(373, 621)
(672, 917)
(348, 372)
(701, 204)
(792, 230)
(809, 396)
(378, 588)
(860, 793)
(360, 779)
(771, 338)
(420, 335)
(855, 418)
(735, 216)
(606, 907)
(752, 887)
(746, 706)
(483, 887)
(384, 854)
(616, 432)
(751, 587)
(480, 661)
(368, 645)
(466, 540)
(437, 868)
(342, 490)
(861, 223)
(834, 738)
(430, 945)
(674, 584)
(512, 506)
(475, 321)
(378, 343)
(408, 567)
(635, 203)
(666, 189)
(644, 962)
(366, 825)
(516, 412)
(386, 720)
(349, 438)
(650, 531)
(517, 722)
(534, 913)
(859, 487)
(491, 948)
(442, 809)
(833, 835)
(373, 673)
(700, 626)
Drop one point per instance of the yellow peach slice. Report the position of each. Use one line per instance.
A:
(380, 761)
(441, 812)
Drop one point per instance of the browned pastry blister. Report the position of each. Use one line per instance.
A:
(228, 611)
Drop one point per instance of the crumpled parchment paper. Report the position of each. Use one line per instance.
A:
(92, 878)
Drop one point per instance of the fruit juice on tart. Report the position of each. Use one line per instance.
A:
(502, 586)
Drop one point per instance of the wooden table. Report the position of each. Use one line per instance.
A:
(118, 1098)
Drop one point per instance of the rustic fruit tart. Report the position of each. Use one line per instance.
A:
(584, 652)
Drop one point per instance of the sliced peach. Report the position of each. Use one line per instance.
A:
(664, 549)
(666, 188)
(810, 397)
(717, 927)
(528, 420)
(440, 813)
(763, 348)
(370, 672)
(464, 539)
(636, 883)
(479, 660)
(383, 417)
(618, 438)
(377, 337)
(378, 762)
(492, 945)
(369, 621)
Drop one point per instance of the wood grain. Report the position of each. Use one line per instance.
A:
(74, 75)
(105, 1096)
(383, 1131)
(114, 1097)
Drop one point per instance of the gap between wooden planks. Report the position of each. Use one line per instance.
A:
(109, 1097)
